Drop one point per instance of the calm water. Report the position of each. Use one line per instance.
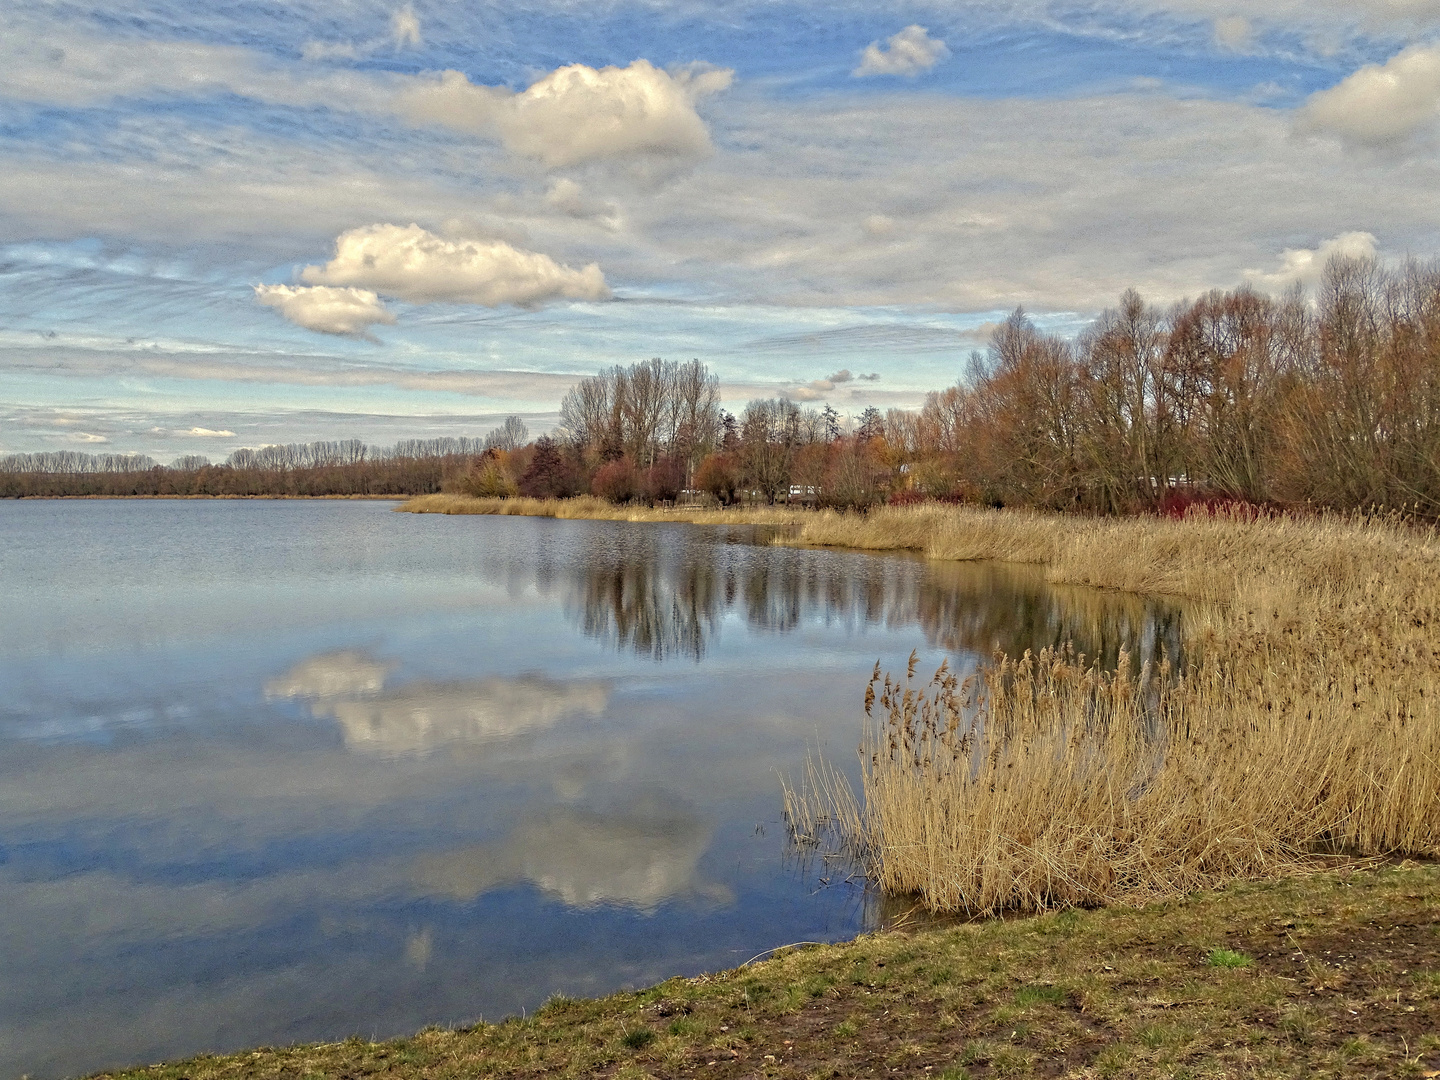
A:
(279, 771)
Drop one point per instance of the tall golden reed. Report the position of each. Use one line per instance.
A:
(1306, 720)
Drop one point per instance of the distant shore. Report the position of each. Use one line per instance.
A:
(133, 498)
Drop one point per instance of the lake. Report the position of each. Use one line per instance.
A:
(284, 771)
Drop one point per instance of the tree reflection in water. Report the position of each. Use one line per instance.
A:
(663, 593)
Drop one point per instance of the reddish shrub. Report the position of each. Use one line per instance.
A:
(616, 481)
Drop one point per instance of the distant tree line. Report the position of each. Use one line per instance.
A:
(346, 467)
(1236, 396)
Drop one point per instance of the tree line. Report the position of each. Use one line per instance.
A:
(1235, 396)
(344, 467)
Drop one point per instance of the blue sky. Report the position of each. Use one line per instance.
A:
(225, 225)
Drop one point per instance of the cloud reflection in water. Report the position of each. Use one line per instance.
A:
(421, 716)
(639, 856)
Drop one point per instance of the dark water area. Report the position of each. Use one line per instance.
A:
(284, 771)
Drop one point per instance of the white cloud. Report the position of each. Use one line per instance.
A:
(909, 52)
(415, 265)
(405, 27)
(344, 311)
(1381, 104)
(577, 113)
(1306, 264)
(209, 433)
(1234, 32)
(87, 437)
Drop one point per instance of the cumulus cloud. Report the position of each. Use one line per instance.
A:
(1306, 264)
(1234, 32)
(209, 433)
(331, 675)
(413, 264)
(909, 52)
(348, 312)
(578, 113)
(350, 686)
(1381, 104)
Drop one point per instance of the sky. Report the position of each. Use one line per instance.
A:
(227, 225)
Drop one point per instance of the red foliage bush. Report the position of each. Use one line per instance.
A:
(616, 480)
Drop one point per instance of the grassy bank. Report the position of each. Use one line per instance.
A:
(1331, 975)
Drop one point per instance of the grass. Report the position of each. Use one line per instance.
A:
(1343, 981)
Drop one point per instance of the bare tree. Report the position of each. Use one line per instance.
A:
(510, 435)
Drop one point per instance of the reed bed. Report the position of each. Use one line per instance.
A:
(589, 507)
(1305, 722)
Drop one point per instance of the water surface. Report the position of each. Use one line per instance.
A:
(280, 771)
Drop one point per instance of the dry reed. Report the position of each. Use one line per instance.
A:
(588, 507)
(1306, 721)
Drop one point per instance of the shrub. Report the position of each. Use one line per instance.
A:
(616, 481)
(665, 480)
(718, 476)
(488, 479)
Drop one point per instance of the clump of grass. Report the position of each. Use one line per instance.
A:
(1227, 958)
(639, 1038)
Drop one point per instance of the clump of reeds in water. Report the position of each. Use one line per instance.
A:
(1046, 781)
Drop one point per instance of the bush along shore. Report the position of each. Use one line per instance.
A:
(1327, 975)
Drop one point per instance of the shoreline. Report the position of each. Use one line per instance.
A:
(1332, 974)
